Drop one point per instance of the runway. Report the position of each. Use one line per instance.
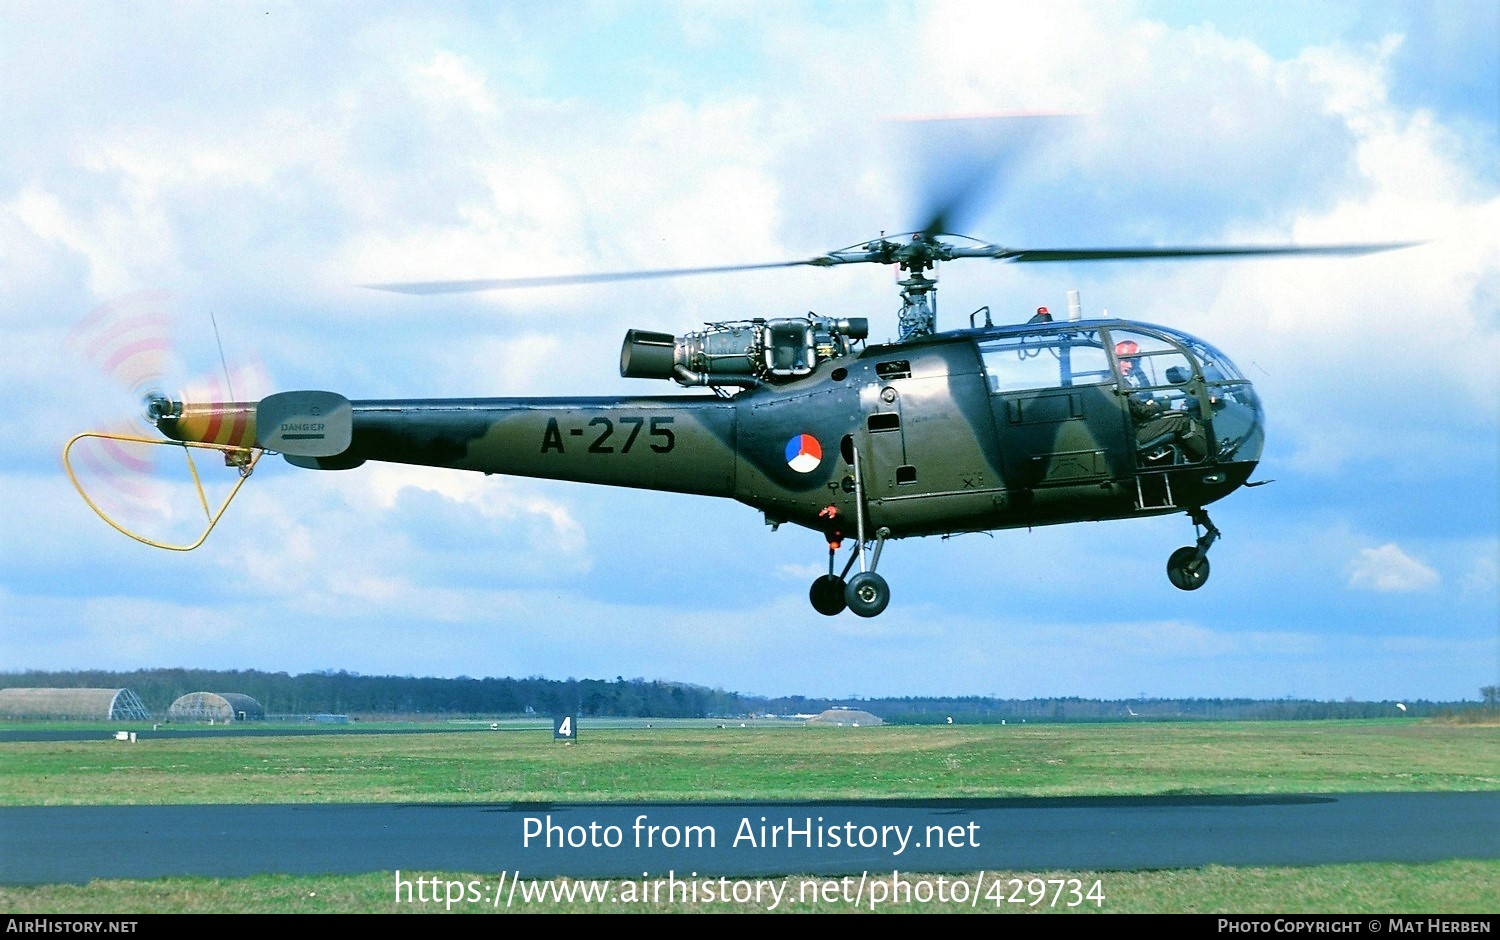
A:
(41, 845)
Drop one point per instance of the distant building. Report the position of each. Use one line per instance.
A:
(845, 718)
(77, 704)
(215, 706)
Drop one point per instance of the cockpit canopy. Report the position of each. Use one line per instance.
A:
(1182, 372)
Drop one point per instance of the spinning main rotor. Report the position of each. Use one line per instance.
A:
(957, 162)
(915, 253)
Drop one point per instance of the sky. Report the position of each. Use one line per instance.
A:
(240, 170)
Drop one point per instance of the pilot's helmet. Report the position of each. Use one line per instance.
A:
(1126, 347)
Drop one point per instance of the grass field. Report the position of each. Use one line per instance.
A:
(784, 763)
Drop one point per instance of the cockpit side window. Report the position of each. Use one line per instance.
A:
(1157, 370)
(1146, 361)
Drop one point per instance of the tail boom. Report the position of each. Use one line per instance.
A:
(682, 444)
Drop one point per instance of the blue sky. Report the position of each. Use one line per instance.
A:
(254, 164)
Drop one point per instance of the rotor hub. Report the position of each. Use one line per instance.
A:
(159, 405)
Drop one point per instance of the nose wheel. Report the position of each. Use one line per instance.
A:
(1188, 568)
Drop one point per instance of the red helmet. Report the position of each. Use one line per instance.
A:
(1126, 347)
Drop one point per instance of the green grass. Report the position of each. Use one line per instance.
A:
(1456, 887)
(782, 763)
(761, 764)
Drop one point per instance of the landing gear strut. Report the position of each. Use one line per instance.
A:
(867, 593)
(1187, 569)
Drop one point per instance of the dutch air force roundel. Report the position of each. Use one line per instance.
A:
(804, 453)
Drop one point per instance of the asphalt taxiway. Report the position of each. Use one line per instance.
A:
(58, 844)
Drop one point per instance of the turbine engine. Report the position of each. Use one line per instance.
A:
(743, 352)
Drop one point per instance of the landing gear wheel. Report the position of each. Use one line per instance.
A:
(1185, 570)
(867, 594)
(827, 595)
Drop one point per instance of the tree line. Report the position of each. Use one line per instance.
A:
(349, 693)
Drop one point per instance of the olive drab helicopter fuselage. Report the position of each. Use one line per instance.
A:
(936, 433)
(986, 428)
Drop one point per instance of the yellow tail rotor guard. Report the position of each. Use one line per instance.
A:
(242, 458)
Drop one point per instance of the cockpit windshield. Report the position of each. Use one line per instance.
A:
(1182, 373)
(1172, 372)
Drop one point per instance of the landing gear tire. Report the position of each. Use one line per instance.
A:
(1186, 570)
(827, 595)
(867, 594)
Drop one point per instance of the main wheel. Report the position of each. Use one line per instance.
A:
(867, 594)
(1184, 570)
(827, 595)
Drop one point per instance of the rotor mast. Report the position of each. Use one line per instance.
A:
(918, 315)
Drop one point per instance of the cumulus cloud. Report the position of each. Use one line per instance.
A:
(261, 166)
(1389, 570)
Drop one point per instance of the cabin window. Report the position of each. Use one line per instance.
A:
(1048, 360)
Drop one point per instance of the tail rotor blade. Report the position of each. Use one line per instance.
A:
(128, 341)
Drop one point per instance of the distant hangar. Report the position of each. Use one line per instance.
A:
(80, 704)
(215, 706)
(846, 718)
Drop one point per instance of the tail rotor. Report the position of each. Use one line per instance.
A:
(118, 471)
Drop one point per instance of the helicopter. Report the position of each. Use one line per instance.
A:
(939, 432)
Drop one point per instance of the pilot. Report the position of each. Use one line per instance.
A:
(1153, 422)
(1130, 366)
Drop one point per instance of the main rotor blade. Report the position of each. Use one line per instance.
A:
(1127, 254)
(959, 163)
(510, 283)
(871, 252)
